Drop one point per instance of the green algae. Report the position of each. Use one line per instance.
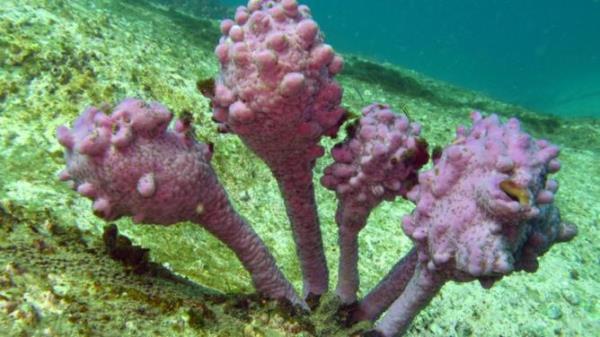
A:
(56, 57)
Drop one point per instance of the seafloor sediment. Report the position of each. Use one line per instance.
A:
(62, 274)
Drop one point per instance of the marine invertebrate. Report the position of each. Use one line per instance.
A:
(131, 164)
(276, 92)
(483, 211)
(467, 225)
(377, 162)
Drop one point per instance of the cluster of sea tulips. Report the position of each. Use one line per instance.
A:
(484, 210)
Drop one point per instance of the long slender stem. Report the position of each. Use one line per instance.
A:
(388, 289)
(350, 219)
(348, 279)
(227, 225)
(421, 289)
(299, 196)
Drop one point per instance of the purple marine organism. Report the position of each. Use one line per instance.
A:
(378, 161)
(131, 164)
(276, 92)
(483, 211)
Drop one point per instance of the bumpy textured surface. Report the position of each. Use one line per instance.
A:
(132, 165)
(276, 91)
(545, 230)
(479, 204)
(378, 161)
(483, 211)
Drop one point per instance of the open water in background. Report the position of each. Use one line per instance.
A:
(542, 54)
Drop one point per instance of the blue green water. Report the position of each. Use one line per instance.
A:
(544, 55)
